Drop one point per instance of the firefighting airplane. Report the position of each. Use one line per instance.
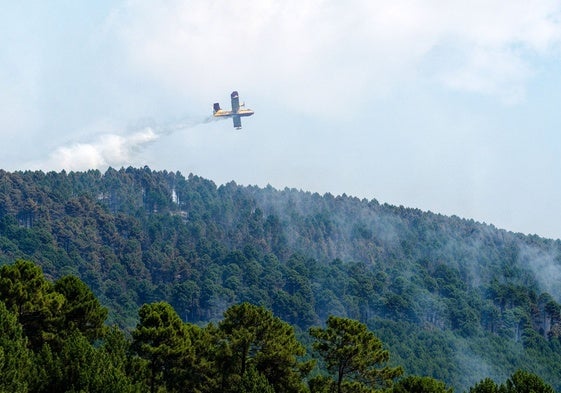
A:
(238, 111)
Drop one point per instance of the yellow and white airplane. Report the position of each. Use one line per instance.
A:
(238, 111)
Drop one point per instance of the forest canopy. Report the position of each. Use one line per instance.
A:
(250, 350)
(453, 299)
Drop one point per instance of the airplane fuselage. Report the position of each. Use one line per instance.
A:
(238, 111)
(241, 113)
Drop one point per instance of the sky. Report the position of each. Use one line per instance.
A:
(446, 106)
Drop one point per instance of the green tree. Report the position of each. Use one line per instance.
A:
(321, 384)
(352, 353)
(519, 382)
(162, 339)
(81, 309)
(117, 347)
(79, 367)
(26, 292)
(256, 338)
(416, 384)
(525, 382)
(486, 385)
(255, 382)
(15, 360)
(203, 373)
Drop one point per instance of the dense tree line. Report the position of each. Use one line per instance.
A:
(53, 339)
(448, 295)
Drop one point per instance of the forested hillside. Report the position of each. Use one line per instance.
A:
(53, 339)
(454, 299)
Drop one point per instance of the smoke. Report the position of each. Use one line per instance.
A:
(473, 366)
(545, 263)
(184, 124)
(112, 149)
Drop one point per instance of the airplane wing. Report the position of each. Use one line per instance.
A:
(235, 102)
(237, 121)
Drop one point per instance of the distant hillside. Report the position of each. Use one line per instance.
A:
(453, 298)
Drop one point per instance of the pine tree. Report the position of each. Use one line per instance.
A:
(255, 338)
(15, 359)
(81, 309)
(26, 292)
(352, 353)
(162, 339)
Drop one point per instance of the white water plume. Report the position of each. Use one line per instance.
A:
(111, 149)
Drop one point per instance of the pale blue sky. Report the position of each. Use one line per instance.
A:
(444, 106)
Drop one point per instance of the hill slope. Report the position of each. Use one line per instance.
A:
(453, 298)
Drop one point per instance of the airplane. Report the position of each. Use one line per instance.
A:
(238, 111)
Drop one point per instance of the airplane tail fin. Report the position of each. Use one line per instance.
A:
(216, 107)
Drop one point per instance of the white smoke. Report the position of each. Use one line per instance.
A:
(545, 263)
(111, 149)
